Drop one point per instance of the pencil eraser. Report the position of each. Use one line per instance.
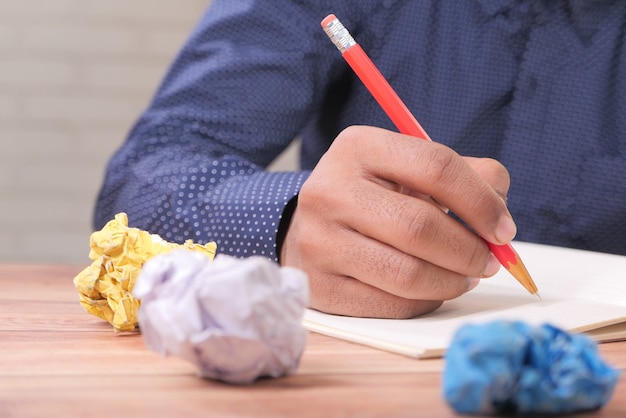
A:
(328, 19)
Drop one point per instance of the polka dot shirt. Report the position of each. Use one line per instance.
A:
(539, 85)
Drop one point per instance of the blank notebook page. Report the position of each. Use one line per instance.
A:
(580, 290)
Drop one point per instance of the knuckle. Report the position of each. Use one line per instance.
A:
(497, 175)
(348, 136)
(405, 276)
(499, 169)
(416, 226)
(482, 200)
(502, 187)
(313, 196)
(412, 278)
(496, 167)
(476, 261)
(310, 191)
(439, 163)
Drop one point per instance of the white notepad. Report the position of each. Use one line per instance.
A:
(581, 291)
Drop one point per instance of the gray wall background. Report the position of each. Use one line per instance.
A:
(74, 76)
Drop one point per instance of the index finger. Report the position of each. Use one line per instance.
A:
(436, 170)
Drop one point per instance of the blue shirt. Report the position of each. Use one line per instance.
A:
(538, 85)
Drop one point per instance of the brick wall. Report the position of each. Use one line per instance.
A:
(74, 75)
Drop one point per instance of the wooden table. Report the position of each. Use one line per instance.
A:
(58, 361)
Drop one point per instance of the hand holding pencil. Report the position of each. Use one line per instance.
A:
(370, 250)
(372, 242)
(407, 124)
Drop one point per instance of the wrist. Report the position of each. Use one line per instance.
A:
(283, 225)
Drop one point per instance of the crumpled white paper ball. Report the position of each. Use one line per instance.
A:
(235, 319)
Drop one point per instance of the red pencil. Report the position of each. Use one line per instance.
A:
(406, 123)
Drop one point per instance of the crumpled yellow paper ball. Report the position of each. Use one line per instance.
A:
(118, 253)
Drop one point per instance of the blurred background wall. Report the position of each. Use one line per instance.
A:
(74, 76)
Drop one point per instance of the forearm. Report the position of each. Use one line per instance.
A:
(181, 193)
(234, 98)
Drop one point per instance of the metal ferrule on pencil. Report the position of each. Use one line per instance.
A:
(339, 35)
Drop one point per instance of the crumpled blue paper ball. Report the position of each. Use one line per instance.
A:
(235, 319)
(509, 367)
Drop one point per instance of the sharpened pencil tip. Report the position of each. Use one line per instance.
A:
(518, 270)
(538, 296)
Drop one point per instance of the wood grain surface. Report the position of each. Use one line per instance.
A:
(58, 361)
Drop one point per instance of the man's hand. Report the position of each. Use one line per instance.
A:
(370, 232)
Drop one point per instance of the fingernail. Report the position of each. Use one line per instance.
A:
(493, 265)
(472, 282)
(506, 229)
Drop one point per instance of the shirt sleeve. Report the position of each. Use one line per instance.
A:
(236, 95)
